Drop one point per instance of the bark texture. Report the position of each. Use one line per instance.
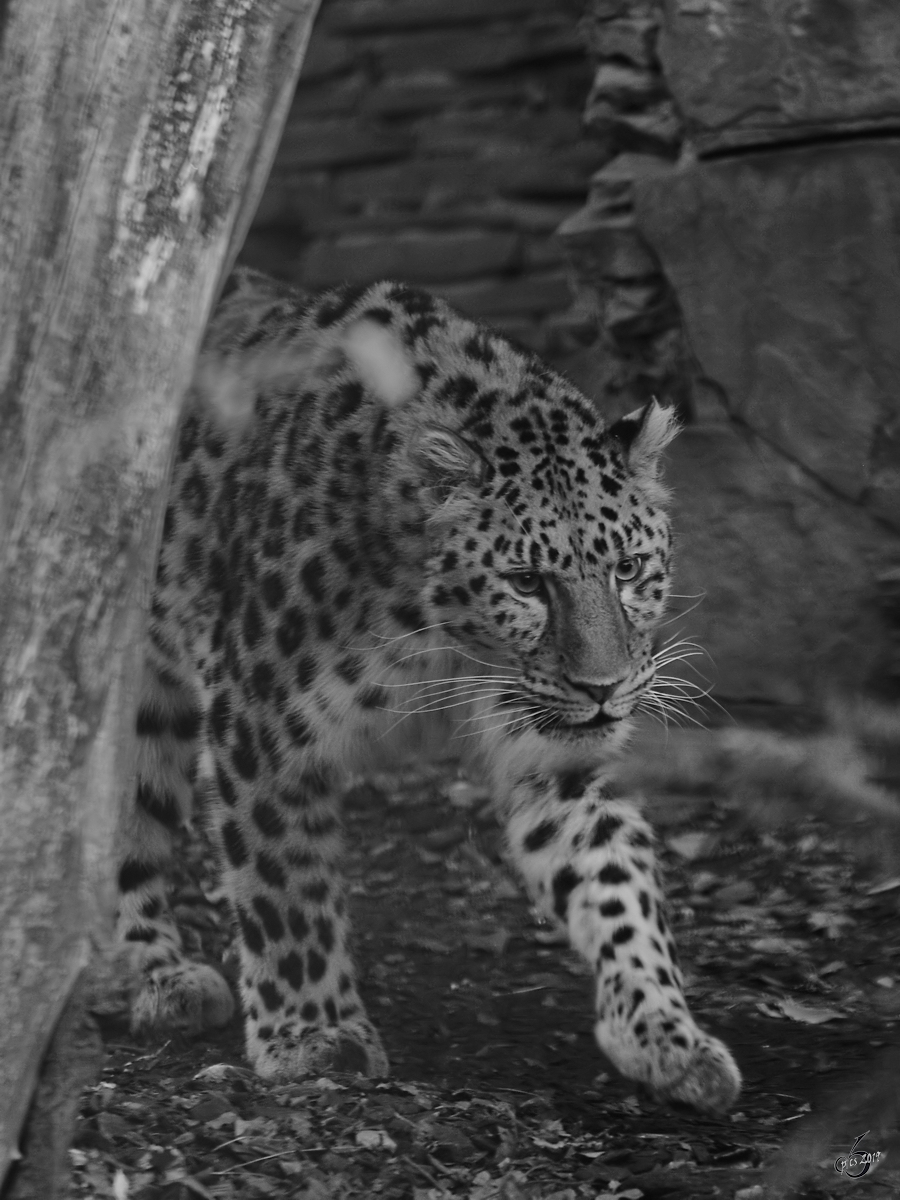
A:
(135, 137)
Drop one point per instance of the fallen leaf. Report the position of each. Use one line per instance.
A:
(886, 885)
(809, 1015)
(735, 893)
(375, 1139)
(213, 1105)
(777, 945)
(112, 1126)
(195, 1186)
(432, 945)
(691, 845)
(832, 924)
(488, 943)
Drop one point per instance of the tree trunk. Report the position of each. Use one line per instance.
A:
(135, 138)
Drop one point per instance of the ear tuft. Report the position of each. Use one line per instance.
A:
(644, 434)
(381, 362)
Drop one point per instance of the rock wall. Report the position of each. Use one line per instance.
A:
(440, 141)
(763, 235)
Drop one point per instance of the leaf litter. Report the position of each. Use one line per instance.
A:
(792, 954)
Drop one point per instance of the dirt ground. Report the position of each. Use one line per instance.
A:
(792, 953)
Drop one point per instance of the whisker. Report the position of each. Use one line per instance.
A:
(449, 679)
(679, 650)
(397, 637)
(441, 704)
(435, 649)
(675, 639)
(467, 688)
(654, 710)
(674, 709)
(672, 686)
(518, 720)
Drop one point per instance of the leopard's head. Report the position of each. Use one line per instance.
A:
(549, 543)
(551, 560)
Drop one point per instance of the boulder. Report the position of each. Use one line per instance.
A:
(787, 271)
(746, 72)
(785, 578)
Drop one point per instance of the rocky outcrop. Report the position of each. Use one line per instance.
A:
(764, 234)
(761, 72)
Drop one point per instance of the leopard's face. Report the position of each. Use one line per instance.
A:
(555, 570)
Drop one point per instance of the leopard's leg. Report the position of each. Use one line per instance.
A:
(588, 862)
(279, 830)
(167, 990)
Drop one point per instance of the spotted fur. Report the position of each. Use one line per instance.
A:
(387, 527)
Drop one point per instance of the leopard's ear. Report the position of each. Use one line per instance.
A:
(382, 363)
(643, 435)
(447, 458)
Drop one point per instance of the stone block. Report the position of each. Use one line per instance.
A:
(416, 256)
(551, 174)
(308, 143)
(614, 246)
(412, 183)
(411, 93)
(657, 128)
(295, 199)
(480, 131)
(787, 575)
(425, 91)
(611, 195)
(787, 269)
(369, 16)
(624, 85)
(521, 330)
(273, 253)
(542, 254)
(531, 217)
(491, 49)
(746, 73)
(528, 295)
(326, 56)
(630, 39)
(330, 97)
(545, 177)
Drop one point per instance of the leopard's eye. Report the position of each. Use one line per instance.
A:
(629, 568)
(526, 583)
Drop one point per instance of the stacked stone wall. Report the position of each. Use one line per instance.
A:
(439, 141)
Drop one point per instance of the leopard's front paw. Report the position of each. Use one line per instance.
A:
(289, 1052)
(669, 1053)
(711, 1080)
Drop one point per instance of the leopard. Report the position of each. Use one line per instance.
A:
(390, 530)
